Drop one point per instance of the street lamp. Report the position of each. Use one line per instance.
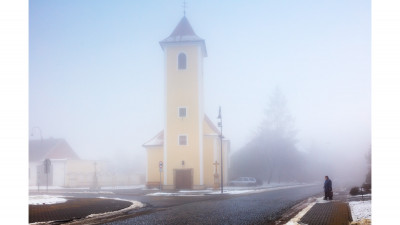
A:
(95, 184)
(41, 146)
(220, 136)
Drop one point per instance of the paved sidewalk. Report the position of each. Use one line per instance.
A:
(331, 213)
(325, 212)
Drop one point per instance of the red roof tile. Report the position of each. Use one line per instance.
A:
(51, 149)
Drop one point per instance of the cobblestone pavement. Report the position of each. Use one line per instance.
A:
(331, 213)
(74, 209)
(258, 208)
(336, 212)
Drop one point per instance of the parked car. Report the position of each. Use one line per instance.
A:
(243, 181)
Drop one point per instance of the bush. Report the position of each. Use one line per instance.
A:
(355, 191)
(367, 188)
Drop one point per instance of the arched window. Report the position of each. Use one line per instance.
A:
(181, 61)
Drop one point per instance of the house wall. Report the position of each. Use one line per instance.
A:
(79, 173)
(59, 171)
(212, 153)
(209, 168)
(33, 173)
(154, 156)
(55, 177)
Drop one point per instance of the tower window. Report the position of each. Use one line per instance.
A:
(181, 61)
(182, 112)
(182, 139)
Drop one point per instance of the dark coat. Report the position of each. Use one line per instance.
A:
(328, 185)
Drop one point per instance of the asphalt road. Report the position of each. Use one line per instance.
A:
(257, 208)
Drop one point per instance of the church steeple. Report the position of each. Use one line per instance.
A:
(184, 34)
(188, 145)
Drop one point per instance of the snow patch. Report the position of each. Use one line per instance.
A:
(227, 190)
(135, 204)
(321, 200)
(174, 194)
(193, 191)
(142, 187)
(360, 210)
(45, 199)
(41, 188)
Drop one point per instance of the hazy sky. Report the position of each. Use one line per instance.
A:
(96, 70)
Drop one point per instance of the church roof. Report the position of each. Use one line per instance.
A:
(156, 141)
(40, 150)
(183, 33)
(211, 124)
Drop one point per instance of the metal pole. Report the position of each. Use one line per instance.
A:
(41, 145)
(47, 170)
(160, 178)
(222, 166)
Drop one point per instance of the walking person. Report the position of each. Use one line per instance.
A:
(328, 188)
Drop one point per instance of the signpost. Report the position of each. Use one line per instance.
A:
(160, 165)
(47, 168)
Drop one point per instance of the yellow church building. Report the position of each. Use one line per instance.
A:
(186, 154)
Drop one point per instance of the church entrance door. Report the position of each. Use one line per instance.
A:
(183, 178)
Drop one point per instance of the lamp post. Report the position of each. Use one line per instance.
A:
(47, 169)
(40, 132)
(41, 145)
(95, 185)
(220, 136)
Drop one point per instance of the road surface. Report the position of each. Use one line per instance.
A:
(257, 208)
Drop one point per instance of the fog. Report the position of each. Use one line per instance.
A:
(96, 79)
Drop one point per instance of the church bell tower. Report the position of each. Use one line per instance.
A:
(184, 52)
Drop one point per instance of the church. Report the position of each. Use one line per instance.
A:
(186, 154)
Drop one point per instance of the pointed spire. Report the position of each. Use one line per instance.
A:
(183, 33)
(183, 29)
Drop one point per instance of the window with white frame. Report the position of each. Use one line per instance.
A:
(182, 140)
(182, 112)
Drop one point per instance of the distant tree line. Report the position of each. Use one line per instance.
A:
(272, 155)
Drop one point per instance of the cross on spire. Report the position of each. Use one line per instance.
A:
(184, 7)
